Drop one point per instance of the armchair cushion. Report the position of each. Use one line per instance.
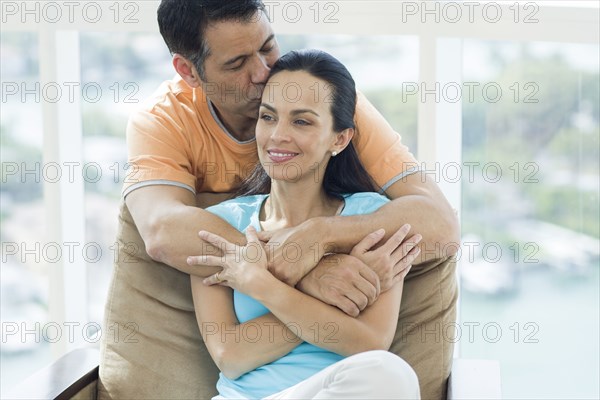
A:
(153, 347)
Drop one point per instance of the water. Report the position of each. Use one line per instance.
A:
(553, 352)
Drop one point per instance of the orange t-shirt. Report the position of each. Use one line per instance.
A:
(177, 139)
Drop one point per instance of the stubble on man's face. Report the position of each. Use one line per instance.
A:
(241, 55)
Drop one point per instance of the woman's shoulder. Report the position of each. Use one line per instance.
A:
(238, 211)
(363, 203)
(242, 201)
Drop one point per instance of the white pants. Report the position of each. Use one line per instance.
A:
(374, 374)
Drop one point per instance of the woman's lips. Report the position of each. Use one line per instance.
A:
(280, 156)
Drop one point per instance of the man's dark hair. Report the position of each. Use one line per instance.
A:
(344, 173)
(182, 24)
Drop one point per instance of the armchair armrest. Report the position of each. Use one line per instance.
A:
(474, 379)
(63, 379)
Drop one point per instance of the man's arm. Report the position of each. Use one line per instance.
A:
(168, 221)
(416, 200)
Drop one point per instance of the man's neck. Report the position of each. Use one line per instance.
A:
(241, 127)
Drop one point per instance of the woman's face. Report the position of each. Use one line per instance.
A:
(294, 133)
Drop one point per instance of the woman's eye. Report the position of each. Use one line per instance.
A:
(301, 122)
(266, 117)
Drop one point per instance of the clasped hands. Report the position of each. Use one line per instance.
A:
(350, 282)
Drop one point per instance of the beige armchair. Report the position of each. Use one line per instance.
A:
(74, 376)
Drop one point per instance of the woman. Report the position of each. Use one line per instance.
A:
(268, 339)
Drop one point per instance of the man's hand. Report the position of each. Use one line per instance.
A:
(342, 281)
(293, 252)
(392, 258)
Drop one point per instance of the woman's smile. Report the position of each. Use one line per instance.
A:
(280, 156)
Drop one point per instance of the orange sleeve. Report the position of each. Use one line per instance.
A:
(158, 153)
(379, 147)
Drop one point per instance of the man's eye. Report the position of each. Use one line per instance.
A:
(238, 66)
(268, 50)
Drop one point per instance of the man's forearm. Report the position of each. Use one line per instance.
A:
(436, 224)
(176, 238)
(169, 221)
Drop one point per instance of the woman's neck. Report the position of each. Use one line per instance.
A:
(290, 204)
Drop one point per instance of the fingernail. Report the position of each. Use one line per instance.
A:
(190, 260)
(406, 227)
(418, 238)
(379, 232)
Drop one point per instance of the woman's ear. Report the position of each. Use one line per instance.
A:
(185, 68)
(342, 140)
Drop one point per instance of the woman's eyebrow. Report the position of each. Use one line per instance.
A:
(268, 107)
(293, 112)
(304, 110)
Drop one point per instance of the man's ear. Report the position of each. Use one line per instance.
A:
(185, 68)
(342, 140)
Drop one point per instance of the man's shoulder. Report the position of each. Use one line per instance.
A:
(168, 94)
(363, 105)
(173, 104)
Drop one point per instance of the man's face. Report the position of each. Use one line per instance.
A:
(241, 56)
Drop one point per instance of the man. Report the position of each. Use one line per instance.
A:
(191, 144)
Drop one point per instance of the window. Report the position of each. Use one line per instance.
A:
(382, 83)
(25, 272)
(530, 253)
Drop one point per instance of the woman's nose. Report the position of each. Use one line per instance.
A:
(278, 134)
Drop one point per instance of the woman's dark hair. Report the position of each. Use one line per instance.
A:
(344, 173)
(182, 24)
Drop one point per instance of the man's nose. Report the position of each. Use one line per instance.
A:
(260, 70)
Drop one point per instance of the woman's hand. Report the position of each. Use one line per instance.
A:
(241, 264)
(392, 260)
(304, 239)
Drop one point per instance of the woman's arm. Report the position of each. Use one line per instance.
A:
(245, 269)
(237, 348)
(327, 326)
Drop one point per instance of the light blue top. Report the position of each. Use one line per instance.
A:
(306, 359)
